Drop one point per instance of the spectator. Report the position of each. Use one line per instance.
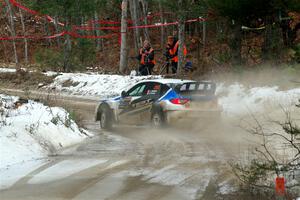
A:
(146, 58)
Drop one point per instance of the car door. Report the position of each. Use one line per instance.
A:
(135, 107)
(153, 93)
(130, 104)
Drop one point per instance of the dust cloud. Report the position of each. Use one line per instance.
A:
(248, 99)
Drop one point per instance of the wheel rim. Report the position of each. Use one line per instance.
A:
(156, 120)
(103, 119)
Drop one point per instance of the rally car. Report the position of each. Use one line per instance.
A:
(158, 102)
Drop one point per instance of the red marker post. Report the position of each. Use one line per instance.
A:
(280, 186)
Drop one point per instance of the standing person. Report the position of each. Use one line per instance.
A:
(172, 52)
(146, 58)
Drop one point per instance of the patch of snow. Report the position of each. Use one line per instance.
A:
(9, 176)
(95, 84)
(33, 131)
(226, 188)
(236, 99)
(64, 169)
(51, 73)
(192, 182)
(115, 164)
(7, 70)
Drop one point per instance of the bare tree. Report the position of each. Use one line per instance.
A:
(123, 52)
(181, 38)
(56, 26)
(46, 28)
(134, 17)
(204, 33)
(67, 50)
(278, 153)
(25, 39)
(12, 29)
(97, 26)
(145, 15)
(162, 29)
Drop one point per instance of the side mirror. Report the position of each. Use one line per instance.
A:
(123, 94)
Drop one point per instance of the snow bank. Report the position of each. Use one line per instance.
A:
(7, 70)
(94, 84)
(237, 99)
(33, 131)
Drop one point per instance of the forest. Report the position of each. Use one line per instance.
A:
(105, 35)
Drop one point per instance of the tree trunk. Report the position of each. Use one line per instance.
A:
(181, 38)
(236, 43)
(25, 40)
(123, 52)
(46, 27)
(67, 49)
(13, 30)
(162, 30)
(67, 53)
(204, 34)
(134, 17)
(97, 26)
(273, 39)
(57, 31)
(145, 14)
(181, 27)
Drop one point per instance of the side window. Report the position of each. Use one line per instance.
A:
(137, 90)
(201, 86)
(183, 87)
(192, 86)
(153, 88)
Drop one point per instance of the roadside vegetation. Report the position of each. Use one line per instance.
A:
(277, 154)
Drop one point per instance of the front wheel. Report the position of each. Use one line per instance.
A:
(105, 118)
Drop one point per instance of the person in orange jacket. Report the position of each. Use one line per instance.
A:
(172, 52)
(146, 58)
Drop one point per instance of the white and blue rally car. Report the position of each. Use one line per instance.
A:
(159, 102)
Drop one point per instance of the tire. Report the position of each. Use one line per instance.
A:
(105, 118)
(158, 119)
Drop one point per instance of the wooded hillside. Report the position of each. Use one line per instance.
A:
(71, 35)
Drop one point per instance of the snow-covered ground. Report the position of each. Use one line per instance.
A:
(94, 84)
(33, 131)
(237, 99)
(10, 70)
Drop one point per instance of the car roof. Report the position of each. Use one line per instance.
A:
(168, 81)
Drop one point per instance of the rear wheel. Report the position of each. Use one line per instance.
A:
(105, 118)
(158, 119)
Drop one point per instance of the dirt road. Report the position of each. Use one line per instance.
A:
(183, 162)
(188, 162)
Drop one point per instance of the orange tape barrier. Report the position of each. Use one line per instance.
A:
(89, 28)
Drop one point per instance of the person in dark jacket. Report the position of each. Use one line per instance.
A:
(146, 58)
